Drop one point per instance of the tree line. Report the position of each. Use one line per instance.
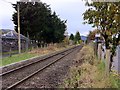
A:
(76, 38)
(39, 22)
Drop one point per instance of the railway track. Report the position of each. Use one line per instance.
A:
(14, 77)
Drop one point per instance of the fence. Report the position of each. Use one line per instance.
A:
(10, 46)
(116, 59)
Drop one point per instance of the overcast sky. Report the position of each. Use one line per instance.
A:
(70, 10)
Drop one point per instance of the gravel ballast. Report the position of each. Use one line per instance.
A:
(53, 76)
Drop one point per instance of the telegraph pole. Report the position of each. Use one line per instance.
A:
(18, 16)
(19, 40)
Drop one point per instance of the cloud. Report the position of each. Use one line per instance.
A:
(6, 12)
(70, 10)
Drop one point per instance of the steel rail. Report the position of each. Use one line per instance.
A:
(26, 65)
(39, 70)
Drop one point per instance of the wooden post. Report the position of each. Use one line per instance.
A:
(107, 63)
(27, 42)
(10, 54)
(19, 42)
(95, 49)
(99, 51)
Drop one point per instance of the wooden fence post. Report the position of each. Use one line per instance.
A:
(107, 62)
(95, 49)
(99, 51)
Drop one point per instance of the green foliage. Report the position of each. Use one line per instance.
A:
(115, 81)
(77, 37)
(106, 17)
(91, 35)
(71, 37)
(39, 22)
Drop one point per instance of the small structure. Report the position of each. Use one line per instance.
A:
(10, 40)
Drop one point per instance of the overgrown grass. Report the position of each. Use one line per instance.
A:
(115, 80)
(91, 73)
(112, 81)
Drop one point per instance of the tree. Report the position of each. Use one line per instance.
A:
(58, 27)
(102, 16)
(77, 37)
(39, 22)
(71, 37)
(106, 17)
(91, 35)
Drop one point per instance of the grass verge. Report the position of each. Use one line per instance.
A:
(33, 53)
(16, 58)
(88, 72)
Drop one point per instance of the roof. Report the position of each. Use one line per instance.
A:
(11, 34)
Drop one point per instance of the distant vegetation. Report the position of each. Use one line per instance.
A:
(76, 38)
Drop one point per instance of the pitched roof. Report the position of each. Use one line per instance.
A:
(11, 34)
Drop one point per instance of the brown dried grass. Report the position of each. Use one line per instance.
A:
(46, 50)
(86, 72)
(86, 55)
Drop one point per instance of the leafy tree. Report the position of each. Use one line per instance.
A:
(102, 15)
(91, 35)
(106, 17)
(39, 22)
(71, 37)
(77, 37)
